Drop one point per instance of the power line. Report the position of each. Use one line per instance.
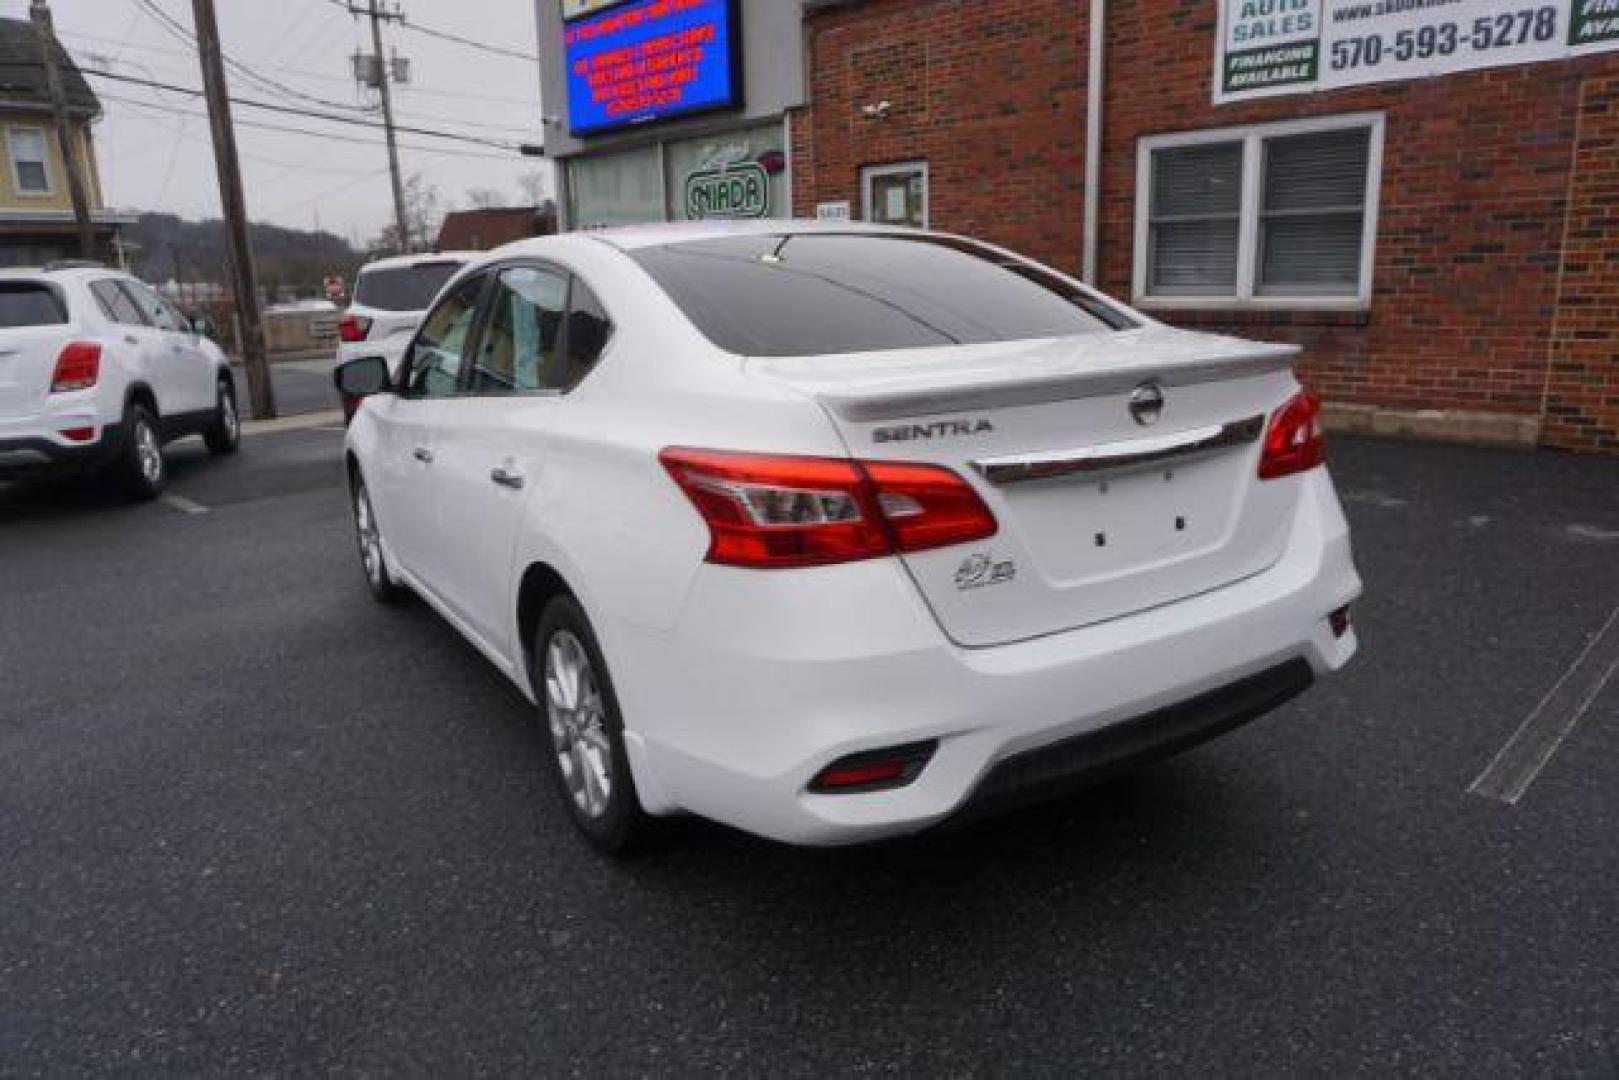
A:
(287, 129)
(309, 113)
(145, 69)
(445, 35)
(412, 88)
(178, 30)
(346, 186)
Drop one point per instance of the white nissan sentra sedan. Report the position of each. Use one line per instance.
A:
(833, 533)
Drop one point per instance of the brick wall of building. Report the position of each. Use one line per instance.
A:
(1475, 191)
(1582, 387)
(1478, 188)
(989, 92)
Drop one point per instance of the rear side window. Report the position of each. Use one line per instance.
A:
(589, 330)
(30, 304)
(116, 304)
(405, 288)
(815, 294)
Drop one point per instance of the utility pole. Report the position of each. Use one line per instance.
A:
(244, 273)
(40, 13)
(401, 222)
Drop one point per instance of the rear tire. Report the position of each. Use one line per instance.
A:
(586, 732)
(224, 435)
(369, 536)
(140, 468)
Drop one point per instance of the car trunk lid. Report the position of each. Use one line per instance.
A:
(1121, 467)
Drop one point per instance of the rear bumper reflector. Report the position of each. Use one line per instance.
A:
(874, 770)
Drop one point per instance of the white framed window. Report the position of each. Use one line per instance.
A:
(895, 194)
(1266, 216)
(30, 164)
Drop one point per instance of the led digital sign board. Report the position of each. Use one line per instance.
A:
(639, 62)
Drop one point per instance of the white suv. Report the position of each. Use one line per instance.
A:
(98, 371)
(390, 298)
(835, 532)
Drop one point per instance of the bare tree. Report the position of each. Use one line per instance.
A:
(423, 216)
(485, 199)
(535, 188)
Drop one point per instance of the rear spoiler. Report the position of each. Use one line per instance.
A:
(1059, 370)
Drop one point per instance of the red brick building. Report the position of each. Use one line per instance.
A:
(1444, 245)
(488, 228)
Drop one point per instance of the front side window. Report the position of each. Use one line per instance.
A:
(29, 166)
(116, 304)
(1279, 212)
(434, 365)
(815, 294)
(519, 352)
(156, 310)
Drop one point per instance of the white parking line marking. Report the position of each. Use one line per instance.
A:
(184, 505)
(1381, 500)
(1554, 719)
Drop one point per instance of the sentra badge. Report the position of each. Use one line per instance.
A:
(945, 429)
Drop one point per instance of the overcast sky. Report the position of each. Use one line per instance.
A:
(153, 159)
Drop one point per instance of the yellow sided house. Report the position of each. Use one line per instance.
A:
(36, 211)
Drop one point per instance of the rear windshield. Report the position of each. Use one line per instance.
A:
(407, 288)
(817, 294)
(27, 304)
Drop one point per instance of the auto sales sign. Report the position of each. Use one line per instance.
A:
(1271, 47)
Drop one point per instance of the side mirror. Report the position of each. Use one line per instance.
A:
(203, 326)
(359, 379)
(363, 377)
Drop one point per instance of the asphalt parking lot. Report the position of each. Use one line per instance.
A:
(251, 822)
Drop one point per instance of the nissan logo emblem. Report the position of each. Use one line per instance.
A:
(1147, 404)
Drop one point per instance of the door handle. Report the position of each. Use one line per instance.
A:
(423, 455)
(131, 339)
(507, 479)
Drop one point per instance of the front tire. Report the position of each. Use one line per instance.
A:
(224, 435)
(369, 536)
(141, 470)
(586, 730)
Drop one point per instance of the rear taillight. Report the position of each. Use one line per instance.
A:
(1294, 442)
(352, 328)
(770, 512)
(78, 367)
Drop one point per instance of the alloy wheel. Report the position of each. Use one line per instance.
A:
(228, 416)
(148, 453)
(365, 526)
(577, 716)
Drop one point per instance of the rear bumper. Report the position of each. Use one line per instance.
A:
(1037, 775)
(767, 679)
(32, 455)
